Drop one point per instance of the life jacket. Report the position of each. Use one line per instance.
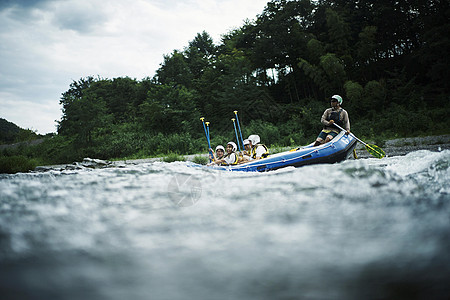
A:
(336, 117)
(235, 158)
(220, 164)
(253, 151)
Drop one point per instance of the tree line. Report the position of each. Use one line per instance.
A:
(387, 59)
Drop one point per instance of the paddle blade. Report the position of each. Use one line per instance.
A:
(375, 151)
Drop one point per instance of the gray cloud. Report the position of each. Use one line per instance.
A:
(81, 19)
(67, 15)
(23, 11)
(22, 3)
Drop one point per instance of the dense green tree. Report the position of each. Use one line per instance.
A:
(84, 116)
(315, 50)
(334, 68)
(69, 108)
(200, 54)
(169, 109)
(354, 93)
(174, 70)
(120, 100)
(338, 33)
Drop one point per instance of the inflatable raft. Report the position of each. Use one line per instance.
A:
(338, 149)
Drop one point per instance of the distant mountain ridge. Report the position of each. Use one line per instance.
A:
(11, 133)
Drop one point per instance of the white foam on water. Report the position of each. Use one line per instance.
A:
(174, 231)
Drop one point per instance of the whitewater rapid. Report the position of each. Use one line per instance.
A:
(360, 229)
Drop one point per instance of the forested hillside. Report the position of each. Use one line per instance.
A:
(11, 133)
(388, 59)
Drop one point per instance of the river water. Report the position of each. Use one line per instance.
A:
(360, 229)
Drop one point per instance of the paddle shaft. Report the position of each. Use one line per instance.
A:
(207, 135)
(374, 150)
(239, 126)
(365, 144)
(209, 140)
(237, 138)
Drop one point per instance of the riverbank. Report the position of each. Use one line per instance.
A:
(403, 146)
(393, 147)
(24, 144)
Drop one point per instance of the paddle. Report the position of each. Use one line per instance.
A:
(207, 134)
(239, 126)
(371, 148)
(207, 130)
(237, 138)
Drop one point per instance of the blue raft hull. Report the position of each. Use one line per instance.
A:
(338, 149)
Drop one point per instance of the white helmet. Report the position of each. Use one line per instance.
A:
(220, 147)
(246, 142)
(233, 144)
(338, 98)
(254, 138)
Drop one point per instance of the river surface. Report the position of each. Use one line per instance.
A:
(360, 229)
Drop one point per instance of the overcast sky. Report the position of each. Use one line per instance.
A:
(47, 44)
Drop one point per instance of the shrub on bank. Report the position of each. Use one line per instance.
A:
(201, 160)
(172, 157)
(17, 163)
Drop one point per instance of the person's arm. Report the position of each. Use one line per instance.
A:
(243, 159)
(346, 122)
(214, 158)
(324, 118)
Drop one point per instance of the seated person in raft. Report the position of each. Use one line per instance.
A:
(230, 158)
(335, 114)
(245, 155)
(220, 152)
(253, 149)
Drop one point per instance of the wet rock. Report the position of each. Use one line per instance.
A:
(74, 166)
(43, 168)
(95, 163)
(90, 163)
